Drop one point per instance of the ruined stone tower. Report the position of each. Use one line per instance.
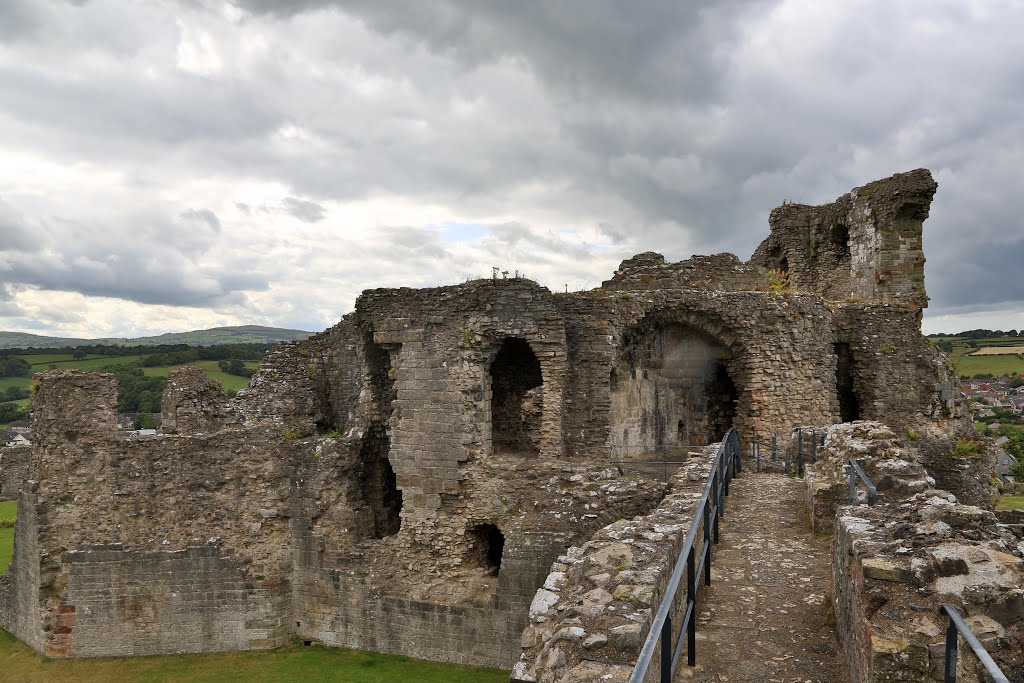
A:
(403, 481)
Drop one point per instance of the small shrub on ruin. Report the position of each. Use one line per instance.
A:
(964, 448)
(778, 280)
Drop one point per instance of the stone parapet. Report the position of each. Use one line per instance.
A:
(593, 614)
(896, 562)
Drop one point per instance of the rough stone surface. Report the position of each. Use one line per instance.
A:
(767, 614)
(405, 480)
(896, 562)
(609, 588)
(14, 469)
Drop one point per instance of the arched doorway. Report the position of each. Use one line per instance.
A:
(672, 387)
(517, 400)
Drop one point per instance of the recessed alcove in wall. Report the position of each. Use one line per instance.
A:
(673, 389)
(849, 406)
(374, 495)
(840, 237)
(517, 400)
(487, 547)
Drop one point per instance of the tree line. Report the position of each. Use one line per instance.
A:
(980, 334)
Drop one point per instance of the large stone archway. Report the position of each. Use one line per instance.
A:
(673, 385)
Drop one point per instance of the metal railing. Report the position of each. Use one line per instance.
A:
(755, 448)
(673, 449)
(855, 473)
(956, 629)
(711, 507)
(812, 442)
(808, 440)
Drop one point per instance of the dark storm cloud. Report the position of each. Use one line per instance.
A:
(665, 126)
(155, 260)
(651, 49)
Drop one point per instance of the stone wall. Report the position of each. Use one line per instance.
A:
(590, 619)
(431, 455)
(866, 245)
(14, 466)
(896, 562)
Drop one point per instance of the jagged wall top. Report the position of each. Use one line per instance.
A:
(866, 245)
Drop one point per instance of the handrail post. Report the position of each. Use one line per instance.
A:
(814, 448)
(691, 596)
(853, 484)
(753, 450)
(787, 460)
(799, 451)
(707, 544)
(952, 650)
(775, 447)
(716, 495)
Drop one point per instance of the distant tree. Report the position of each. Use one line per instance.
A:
(235, 367)
(145, 421)
(12, 412)
(79, 353)
(15, 367)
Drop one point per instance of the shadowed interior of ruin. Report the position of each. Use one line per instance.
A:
(516, 398)
(849, 407)
(670, 389)
(376, 499)
(488, 544)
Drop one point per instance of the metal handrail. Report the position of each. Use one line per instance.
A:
(855, 472)
(957, 624)
(726, 464)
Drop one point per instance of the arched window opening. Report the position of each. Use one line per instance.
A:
(721, 402)
(681, 393)
(517, 399)
(849, 407)
(488, 545)
(376, 496)
(841, 241)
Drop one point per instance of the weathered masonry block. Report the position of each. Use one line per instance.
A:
(896, 562)
(404, 480)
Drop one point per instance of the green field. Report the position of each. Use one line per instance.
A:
(8, 511)
(20, 663)
(97, 363)
(210, 368)
(1010, 503)
(968, 366)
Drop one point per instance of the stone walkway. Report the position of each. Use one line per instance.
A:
(767, 614)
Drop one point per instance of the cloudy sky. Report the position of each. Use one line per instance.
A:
(174, 164)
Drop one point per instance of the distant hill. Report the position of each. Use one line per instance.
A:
(242, 334)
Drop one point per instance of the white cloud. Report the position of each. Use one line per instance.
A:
(175, 165)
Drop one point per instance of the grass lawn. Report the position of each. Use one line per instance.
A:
(995, 365)
(8, 511)
(13, 382)
(96, 363)
(18, 662)
(1010, 503)
(210, 368)
(6, 548)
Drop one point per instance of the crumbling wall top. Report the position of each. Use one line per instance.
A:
(72, 404)
(192, 403)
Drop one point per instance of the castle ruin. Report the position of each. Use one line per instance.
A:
(403, 481)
